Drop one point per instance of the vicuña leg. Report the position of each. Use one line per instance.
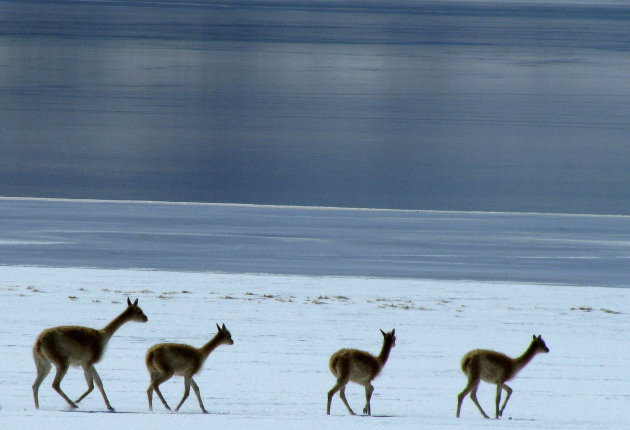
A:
(342, 394)
(461, 396)
(99, 384)
(155, 385)
(186, 392)
(509, 393)
(341, 387)
(498, 400)
(43, 369)
(154, 376)
(369, 389)
(61, 372)
(471, 387)
(331, 393)
(473, 396)
(87, 371)
(196, 389)
(150, 397)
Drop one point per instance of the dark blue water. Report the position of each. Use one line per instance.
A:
(581, 250)
(397, 104)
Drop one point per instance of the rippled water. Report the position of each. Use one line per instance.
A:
(399, 104)
(581, 250)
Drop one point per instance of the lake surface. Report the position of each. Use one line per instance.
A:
(387, 104)
(532, 248)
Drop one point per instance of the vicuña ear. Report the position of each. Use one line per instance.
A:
(135, 302)
(218, 328)
(224, 329)
(393, 331)
(382, 332)
(128, 302)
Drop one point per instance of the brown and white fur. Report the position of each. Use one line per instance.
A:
(167, 359)
(360, 367)
(495, 368)
(66, 346)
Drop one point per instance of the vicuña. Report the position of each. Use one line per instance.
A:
(495, 368)
(72, 345)
(167, 359)
(360, 367)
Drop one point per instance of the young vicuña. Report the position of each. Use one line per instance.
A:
(360, 367)
(495, 368)
(167, 359)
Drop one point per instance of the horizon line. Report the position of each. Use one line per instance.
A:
(338, 208)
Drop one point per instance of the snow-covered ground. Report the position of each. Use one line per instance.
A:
(285, 327)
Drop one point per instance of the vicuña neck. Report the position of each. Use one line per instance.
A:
(527, 356)
(113, 326)
(384, 354)
(210, 346)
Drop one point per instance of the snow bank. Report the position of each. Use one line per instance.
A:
(275, 376)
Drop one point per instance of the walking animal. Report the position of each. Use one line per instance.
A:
(360, 367)
(167, 359)
(495, 368)
(66, 346)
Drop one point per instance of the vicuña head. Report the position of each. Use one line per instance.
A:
(66, 346)
(360, 367)
(495, 368)
(164, 360)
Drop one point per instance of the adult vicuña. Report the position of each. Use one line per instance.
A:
(167, 359)
(66, 346)
(495, 368)
(360, 367)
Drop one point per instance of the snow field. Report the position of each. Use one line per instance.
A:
(285, 328)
